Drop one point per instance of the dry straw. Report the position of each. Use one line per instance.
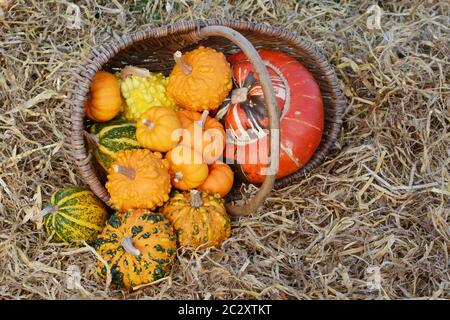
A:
(371, 222)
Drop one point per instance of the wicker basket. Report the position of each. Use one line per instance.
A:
(153, 48)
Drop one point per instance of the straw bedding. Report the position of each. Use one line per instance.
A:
(371, 222)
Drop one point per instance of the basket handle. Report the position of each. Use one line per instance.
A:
(272, 110)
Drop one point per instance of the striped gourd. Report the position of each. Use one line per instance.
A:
(139, 247)
(112, 137)
(74, 214)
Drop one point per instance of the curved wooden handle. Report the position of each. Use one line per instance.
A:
(272, 110)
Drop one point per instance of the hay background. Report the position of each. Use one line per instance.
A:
(381, 199)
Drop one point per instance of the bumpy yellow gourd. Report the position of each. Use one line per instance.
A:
(143, 90)
(200, 80)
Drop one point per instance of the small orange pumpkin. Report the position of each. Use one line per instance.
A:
(220, 179)
(138, 179)
(202, 133)
(186, 168)
(158, 129)
(105, 100)
(186, 117)
(200, 79)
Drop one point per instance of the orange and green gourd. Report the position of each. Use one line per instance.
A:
(139, 247)
(143, 90)
(138, 179)
(220, 179)
(199, 218)
(200, 79)
(74, 214)
(111, 137)
(158, 129)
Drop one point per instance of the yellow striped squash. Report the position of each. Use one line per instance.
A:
(74, 214)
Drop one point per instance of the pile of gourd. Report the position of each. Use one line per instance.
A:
(159, 150)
